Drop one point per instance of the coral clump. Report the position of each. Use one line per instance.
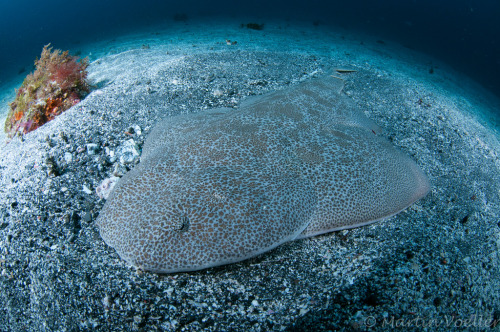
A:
(58, 82)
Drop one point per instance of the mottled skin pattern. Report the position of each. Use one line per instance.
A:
(224, 185)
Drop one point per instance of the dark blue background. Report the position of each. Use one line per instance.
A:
(462, 33)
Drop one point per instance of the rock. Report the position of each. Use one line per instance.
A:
(119, 170)
(128, 152)
(68, 157)
(92, 148)
(86, 190)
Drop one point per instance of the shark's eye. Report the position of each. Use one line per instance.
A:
(182, 223)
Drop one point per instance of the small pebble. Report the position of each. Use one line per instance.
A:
(86, 190)
(68, 157)
(128, 152)
(119, 170)
(92, 148)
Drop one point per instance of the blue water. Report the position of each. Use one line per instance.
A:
(462, 33)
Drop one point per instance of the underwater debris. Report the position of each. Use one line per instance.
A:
(58, 83)
(345, 70)
(253, 26)
(106, 187)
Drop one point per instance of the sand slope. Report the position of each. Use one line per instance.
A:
(437, 261)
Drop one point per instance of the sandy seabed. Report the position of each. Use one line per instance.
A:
(436, 265)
